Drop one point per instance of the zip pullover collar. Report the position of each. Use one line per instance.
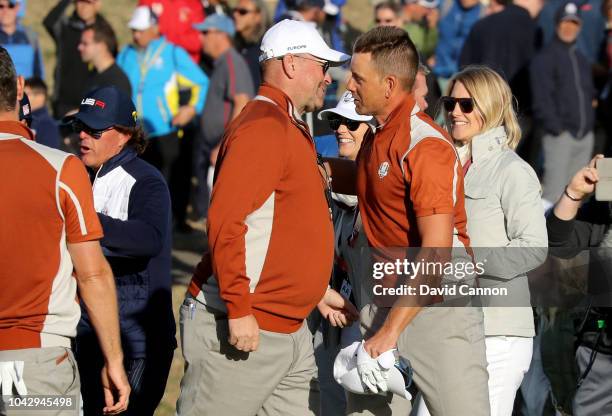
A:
(400, 114)
(119, 159)
(274, 95)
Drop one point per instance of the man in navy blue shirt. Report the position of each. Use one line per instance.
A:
(133, 204)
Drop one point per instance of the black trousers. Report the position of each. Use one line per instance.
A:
(172, 156)
(147, 377)
(201, 163)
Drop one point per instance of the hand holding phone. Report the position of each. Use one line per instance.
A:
(603, 187)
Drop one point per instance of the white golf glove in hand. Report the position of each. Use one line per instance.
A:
(11, 374)
(374, 372)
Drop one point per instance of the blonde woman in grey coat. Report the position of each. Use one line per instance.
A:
(506, 221)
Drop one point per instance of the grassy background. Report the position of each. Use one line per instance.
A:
(358, 12)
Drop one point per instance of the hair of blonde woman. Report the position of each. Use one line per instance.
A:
(492, 99)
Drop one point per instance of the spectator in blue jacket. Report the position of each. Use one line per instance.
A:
(562, 96)
(133, 205)
(20, 41)
(169, 89)
(456, 20)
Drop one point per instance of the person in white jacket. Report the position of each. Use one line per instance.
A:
(506, 222)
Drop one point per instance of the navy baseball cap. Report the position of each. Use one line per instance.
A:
(106, 107)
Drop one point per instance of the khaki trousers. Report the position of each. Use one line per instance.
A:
(277, 379)
(446, 348)
(49, 374)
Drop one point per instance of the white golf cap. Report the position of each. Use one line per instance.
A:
(142, 18)
(330, 8)
(344, 108)
(292, 36)
(346, 374)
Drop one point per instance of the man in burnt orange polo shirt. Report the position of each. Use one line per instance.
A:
(410, 191)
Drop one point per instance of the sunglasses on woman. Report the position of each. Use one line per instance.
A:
(336, 121)
(465, 104)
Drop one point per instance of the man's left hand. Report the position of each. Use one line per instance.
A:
(184, 116)
(338, 310)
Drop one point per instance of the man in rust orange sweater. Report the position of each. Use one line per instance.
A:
(246, 346)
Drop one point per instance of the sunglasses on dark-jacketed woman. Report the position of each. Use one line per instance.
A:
(336, 121)
(465, 104)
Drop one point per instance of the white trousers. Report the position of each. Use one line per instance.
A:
(508, 359)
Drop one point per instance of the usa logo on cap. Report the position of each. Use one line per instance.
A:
(94, 102)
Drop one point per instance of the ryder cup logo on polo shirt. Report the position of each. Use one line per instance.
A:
(383, 169)
(93, 102)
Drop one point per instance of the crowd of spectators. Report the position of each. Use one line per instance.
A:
(556, 60)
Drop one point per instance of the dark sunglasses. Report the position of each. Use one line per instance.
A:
(465, 104)
(242, 11)
(335, 122)
(7, 6)
(385, 21)
(78, 127)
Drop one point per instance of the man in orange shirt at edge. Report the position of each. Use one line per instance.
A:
(48, 225)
